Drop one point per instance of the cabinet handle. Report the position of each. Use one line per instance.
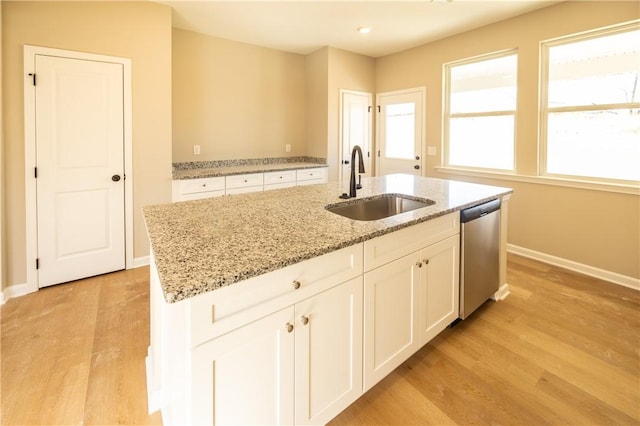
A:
(289, 327)
(296, 284)
(304, 320)
(426, 261)
(419, 264)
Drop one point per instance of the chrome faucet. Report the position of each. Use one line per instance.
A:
(352, 180)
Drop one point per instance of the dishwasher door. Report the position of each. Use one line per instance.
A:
(480, 255)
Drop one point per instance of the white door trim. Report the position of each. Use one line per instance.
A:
(30, 53)
(341, 127)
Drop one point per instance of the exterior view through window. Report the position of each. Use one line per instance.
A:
(591, 105)
(480, 112)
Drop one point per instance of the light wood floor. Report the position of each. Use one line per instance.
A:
(561, 349)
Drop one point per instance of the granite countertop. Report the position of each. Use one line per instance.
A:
(241, 169)
(203, 245)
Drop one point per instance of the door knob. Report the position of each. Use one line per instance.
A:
(417, 167)
(115, 178)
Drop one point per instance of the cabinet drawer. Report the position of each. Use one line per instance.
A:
(388, 247)
(220, 311)
(319, 173)
(192, 186)
(241, 181)
(279, 177)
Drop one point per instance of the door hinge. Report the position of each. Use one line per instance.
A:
(33, 75)
(378, 153)
(37, 263)
(35, 172)
(368, 154)
(369, 109)
(378, 108)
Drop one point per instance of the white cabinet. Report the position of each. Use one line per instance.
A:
(311, 176)
(439, 288)
(410, 292)
(240, 184)
(280, 179)
(302, 364)
(252, 343)
(246, 376)
(328, 353)
(194, 189)
(390, 317)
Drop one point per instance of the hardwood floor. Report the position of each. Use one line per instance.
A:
(561, 349)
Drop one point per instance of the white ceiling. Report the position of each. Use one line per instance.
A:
(303, 26)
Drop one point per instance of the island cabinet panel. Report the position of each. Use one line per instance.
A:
(217, 312)
(411, 292)
(390, 316)
(247, 376)
(328, 353)
(439, 287)
(386, 248)
(299, 365)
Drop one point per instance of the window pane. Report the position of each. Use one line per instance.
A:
(603, 144)
(482, 142)
(488, 85)
(597, 71)
(400, 134)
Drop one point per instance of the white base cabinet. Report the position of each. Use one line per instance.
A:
(298, 345)
(300, 365)
(412, 296)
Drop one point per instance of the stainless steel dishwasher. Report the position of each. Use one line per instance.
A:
(479, 261)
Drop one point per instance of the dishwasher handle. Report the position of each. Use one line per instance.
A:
(480, 210)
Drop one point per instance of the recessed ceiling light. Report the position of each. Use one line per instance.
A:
(364, 30)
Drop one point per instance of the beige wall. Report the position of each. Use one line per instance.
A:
(137, 30)
(596, 228)
(317, 89)
(349, 71)
(328, 70)
(235, 100)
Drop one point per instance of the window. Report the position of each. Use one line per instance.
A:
(590, 105)
(480, 109)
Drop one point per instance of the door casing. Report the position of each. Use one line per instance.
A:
(30, 53)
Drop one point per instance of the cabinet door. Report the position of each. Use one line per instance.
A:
(390, 317)
(439, 287)
(328, 353)
(246, 376)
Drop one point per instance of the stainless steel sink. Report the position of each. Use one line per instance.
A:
(379, 207)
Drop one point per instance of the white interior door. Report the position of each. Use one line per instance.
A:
(80, 168)
(356, 130)
(400, 131)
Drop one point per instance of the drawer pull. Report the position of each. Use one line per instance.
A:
(289, 327)
(304, 320)
(419, 264)
(426, 261)
(296, 284)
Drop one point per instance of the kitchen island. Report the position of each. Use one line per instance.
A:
(267, 307)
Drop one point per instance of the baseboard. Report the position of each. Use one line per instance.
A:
(141, 261)
(591, 271)
(15, 290)
(502, 293)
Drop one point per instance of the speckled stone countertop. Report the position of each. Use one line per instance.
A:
(203, 245)
(241, 169)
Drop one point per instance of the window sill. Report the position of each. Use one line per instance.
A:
(544, 180)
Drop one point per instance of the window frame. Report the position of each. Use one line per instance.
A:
(543, 99)
(447, 116)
